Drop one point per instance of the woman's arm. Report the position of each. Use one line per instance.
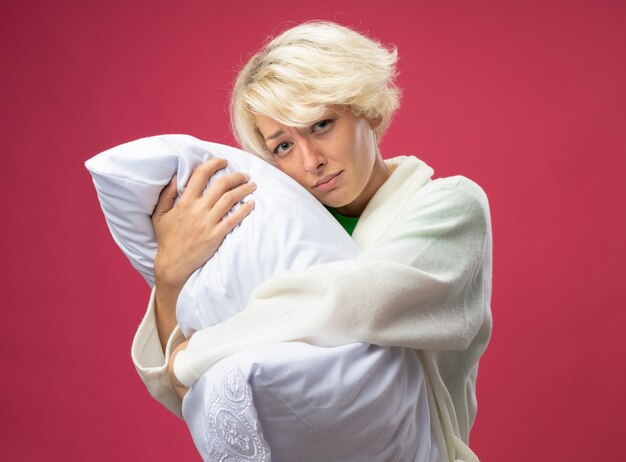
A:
(423, 284)
(190, 233)
(187, 236)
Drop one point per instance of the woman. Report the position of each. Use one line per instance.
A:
(315, 102)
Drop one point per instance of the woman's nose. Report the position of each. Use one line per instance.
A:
(312, 158)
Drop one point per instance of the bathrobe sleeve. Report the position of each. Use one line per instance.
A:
(420, 284)
(151, 363)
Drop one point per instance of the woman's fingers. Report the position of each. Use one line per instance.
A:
(190, 233)
(223, 186)
(200, 177)
(179, 388)
(227, 224)
(228, 199)
(166, 199)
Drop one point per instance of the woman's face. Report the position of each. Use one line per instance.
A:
(336, 159)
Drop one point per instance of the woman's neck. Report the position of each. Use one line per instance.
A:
(380, 174)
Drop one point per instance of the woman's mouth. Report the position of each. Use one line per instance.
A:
(327, 182)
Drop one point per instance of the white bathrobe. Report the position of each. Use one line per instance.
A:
(422, 281)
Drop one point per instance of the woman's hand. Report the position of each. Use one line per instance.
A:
(179, 388)
(190, 233)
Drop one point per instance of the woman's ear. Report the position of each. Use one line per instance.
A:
(375, 123)
(376, 126)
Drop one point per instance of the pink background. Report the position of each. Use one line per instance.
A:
(526, 98)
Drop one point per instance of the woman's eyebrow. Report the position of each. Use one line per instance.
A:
(274, 135)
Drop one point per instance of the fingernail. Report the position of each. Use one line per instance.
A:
(246, 176)
(252, 184)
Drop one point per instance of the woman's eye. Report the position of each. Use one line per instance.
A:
(322, 124)
(282, 147)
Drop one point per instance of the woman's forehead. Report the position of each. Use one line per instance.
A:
(268, 127)
(267, 122)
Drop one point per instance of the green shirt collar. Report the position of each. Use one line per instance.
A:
(348, 223)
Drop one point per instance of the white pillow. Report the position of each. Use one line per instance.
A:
(350, 403)
(288, 229)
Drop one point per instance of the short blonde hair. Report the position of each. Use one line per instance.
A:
(307, 68)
